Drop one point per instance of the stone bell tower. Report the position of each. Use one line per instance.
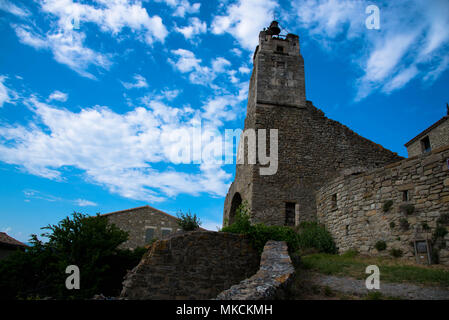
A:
(311, 148)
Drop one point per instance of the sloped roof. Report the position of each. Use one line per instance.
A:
(137, 208)
(433, 126)
(5, 239)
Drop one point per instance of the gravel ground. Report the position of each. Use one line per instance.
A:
(407, 291)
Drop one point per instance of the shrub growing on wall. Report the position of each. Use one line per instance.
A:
(380, 245)
(387, 205)
(405, 225)
(397, 253)
(408, 208)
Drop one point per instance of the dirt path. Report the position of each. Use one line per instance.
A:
(354, 287)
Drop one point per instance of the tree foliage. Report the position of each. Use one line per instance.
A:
(188, 221)
(87, 242)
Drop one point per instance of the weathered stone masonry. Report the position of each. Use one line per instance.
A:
(351, 206)
(312, 148)
(140, 222)
(194, 265)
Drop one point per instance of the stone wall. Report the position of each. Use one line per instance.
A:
(137, 221)
(193, 265)
(438, 137)
(352, 206)
(274, 275)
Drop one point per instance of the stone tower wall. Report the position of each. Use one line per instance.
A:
(312, 149)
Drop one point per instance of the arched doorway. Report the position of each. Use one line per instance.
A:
(236, 201)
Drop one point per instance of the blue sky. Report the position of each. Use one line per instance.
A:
(92, 93)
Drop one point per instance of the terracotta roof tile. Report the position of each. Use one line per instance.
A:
(5, 239)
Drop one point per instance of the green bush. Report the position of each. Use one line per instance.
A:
(443, 219)
(259, 234)
(387, 205)
(380, 245)
(440, 232)
(311, 234)
(405, 225)
(188, 221)
(397, 253)
(87, 242)
(407, 208)
(314, 235)
(392, 225)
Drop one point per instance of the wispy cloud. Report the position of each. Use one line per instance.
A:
(195, 27)
(139, 82)
(412, 43)
(4, 96)
(66, 40)
(39, 195)
(7, 6)
(130, 154)
(58, 96)
(244, 20)
(85, 203)
(182, 7)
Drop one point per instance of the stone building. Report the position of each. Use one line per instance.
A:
(436, 136)
(143, 224)
(312, 149)
(9, 245)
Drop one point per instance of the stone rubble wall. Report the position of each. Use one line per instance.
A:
(352, 206)
(275, 273)
(193, 265)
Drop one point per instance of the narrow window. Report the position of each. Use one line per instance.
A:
(405, 195)
(334, 201)
(149, 234)
(165, 232)
(347, 229)
(425, 143)
(279, 49)
(289, 213)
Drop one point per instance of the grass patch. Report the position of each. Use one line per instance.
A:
(391, 270)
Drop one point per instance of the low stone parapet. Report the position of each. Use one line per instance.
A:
(275, 273)
(191, 265)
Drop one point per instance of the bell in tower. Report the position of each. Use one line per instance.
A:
(274, 29)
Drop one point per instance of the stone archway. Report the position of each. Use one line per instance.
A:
(235, 203)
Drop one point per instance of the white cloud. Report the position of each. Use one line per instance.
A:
(58, 96)
(244, 20)
(130, 154)
(66, 40)
(85, 203)
(139, 82)
(412, 42)
(195, 27)
(244, 70)
(401, 79)
(181, 7)
(67, 48)
(110, 15)
(211, 225)
(4, 96)
(219, 64)
(13, 9)
(187, 62)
